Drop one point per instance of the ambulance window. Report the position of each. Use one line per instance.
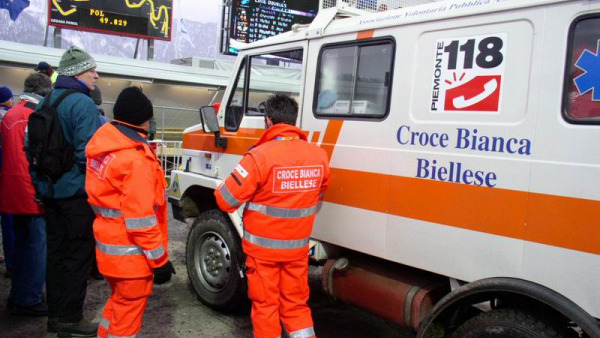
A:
(275, 73)
(582, 90)
(272, 73)
(235, 106)
(354, 80)
(336, 80)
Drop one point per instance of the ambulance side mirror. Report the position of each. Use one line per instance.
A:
(210, 124)
(208, 115)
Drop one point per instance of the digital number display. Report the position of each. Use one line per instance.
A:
(253, 20)
(147, 19)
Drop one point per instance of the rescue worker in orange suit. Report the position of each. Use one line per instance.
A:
(282, 180)
(126, 188)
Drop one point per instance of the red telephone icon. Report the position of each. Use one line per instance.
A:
(482, 93)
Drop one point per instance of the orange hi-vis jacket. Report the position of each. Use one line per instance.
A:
(126, 188)
(283, 178)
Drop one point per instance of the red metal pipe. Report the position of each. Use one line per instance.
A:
(398, 293)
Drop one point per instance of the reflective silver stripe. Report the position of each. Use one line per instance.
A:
(282, 212)
(142, 222)
(320, 204)
(107, 212)
(304, 333)
(156, 253)
(110, 335)
(129, 250)
(275, 243)
(105, 323)
(228, 197)
(118, 250)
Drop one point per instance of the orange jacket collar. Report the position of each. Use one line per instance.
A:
(110, 139)
(281, 130)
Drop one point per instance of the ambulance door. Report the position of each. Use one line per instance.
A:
(464, 125)
(261, 73)
(563, 250)
(346, 112)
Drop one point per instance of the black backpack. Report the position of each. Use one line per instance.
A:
(48, 151)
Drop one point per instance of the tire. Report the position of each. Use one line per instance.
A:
(214, 258)
(502, 323)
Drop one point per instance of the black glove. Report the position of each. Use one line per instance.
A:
(163, 274)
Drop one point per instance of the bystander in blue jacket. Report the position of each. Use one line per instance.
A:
(69, 217)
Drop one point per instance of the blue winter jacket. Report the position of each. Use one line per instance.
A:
(79, 119)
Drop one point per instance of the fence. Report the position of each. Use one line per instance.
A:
(169, 153)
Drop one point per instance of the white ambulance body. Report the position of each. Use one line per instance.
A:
(464, 140)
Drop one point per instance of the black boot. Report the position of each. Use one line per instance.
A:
(82, 328)
(52, 325)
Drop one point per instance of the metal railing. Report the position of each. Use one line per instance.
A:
(169, 153)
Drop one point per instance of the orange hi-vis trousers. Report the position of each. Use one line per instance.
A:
(123, 313)
(279, 292)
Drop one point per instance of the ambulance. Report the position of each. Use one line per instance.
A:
(464, 144)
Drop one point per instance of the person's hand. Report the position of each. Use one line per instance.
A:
(163, 274)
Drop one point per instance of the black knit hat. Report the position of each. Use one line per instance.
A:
(133, 107)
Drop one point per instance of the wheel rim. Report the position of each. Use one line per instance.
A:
(213, 261)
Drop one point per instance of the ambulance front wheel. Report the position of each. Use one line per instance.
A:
(214, 257)
(506, 323)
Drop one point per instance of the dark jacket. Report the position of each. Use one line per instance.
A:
(79, 119)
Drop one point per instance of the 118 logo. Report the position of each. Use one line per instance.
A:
(468, 73)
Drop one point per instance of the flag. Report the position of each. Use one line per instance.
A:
(15, 7)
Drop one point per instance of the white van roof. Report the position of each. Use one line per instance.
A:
(333, 21)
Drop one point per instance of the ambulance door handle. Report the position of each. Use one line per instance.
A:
(187, 165)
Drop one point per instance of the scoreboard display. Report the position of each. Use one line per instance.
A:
(147, 19)
(253, 20)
